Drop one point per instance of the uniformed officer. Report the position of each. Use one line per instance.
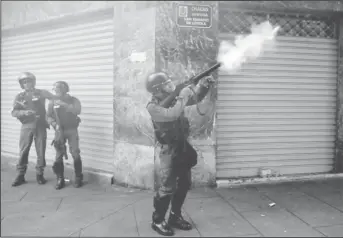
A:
(62, 115)
(29, 109)
(177, 156)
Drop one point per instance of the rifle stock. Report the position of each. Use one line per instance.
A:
(194, 80)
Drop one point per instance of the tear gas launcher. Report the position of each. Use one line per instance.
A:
(192, 81)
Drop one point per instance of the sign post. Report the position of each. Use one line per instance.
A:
(197, 16)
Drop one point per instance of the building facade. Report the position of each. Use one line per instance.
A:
(281, 113)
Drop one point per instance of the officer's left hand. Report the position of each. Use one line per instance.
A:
(61, 103)
(206, 81)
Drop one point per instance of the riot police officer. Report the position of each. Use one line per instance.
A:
(62, 115)
(177, 156)
(29, 109)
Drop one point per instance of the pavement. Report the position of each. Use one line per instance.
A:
(302, 209)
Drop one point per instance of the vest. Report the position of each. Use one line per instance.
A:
(68, 120)
(172, 131)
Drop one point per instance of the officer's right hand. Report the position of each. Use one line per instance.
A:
(186, 92)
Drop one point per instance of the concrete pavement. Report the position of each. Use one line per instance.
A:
(312, 209)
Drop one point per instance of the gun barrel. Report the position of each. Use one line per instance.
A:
(206, 72)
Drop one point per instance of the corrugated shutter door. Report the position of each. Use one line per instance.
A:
(82, 55)
(278, 112)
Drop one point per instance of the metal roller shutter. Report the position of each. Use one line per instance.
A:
(278, 112)
(82, 55)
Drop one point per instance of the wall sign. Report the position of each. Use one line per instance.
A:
(198, 16)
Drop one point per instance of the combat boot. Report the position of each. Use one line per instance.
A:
(158, 224)
(78, 173)
(58, 169)
(19, 180)
(162, 228)
(40, 179)
(60, 183)
(177, 221)
(78, 181)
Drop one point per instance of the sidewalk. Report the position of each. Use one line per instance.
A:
(312, 209)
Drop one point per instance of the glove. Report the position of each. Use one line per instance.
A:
(186, 92)
(205, 82)
(60, 103)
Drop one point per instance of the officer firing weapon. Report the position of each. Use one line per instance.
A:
(192, 81)
(59, 139)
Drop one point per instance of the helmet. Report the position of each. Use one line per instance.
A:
(155, 81)
(26, 75)
(65, 85)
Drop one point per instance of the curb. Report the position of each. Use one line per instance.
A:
(229, 183)
(96, 177)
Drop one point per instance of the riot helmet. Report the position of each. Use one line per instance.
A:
(26, 76)
(156, 81)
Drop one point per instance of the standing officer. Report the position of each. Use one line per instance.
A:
(177, 156)
(29, 109)
(62, 115)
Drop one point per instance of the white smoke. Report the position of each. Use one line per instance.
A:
(232, 56)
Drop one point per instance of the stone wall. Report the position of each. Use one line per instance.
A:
(133, 134)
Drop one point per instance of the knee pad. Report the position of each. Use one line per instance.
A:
(57, 167)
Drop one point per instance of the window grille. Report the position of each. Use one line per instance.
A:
(290, 25)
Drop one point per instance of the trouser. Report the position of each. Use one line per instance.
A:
(27, 135)
(175, 178)
(72, 136)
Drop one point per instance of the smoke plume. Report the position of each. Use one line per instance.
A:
(232, 56)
